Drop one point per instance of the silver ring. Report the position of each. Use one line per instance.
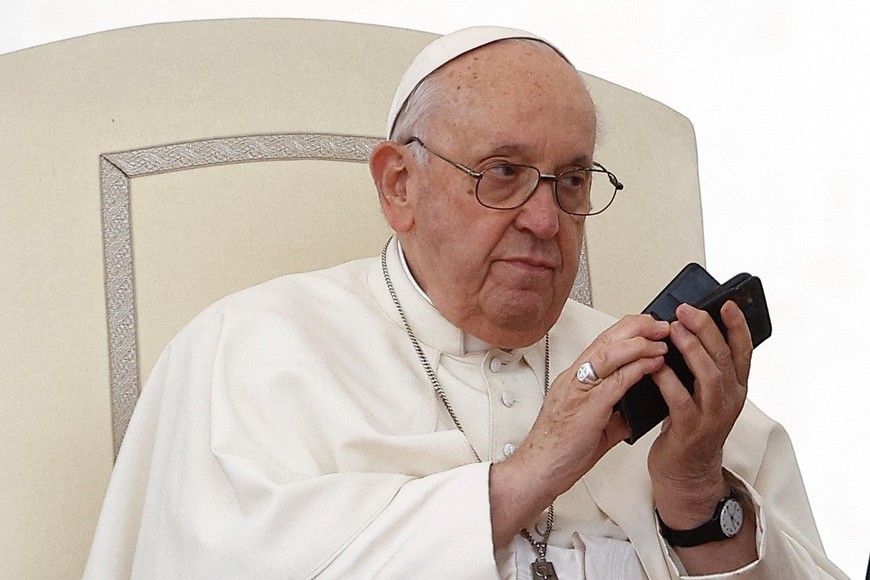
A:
(587, 375)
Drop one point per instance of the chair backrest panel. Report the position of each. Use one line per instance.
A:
(654, 227)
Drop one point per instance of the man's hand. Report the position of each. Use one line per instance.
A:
(576, 425)
(685, 461)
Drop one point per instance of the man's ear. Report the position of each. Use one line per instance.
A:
(389, 167)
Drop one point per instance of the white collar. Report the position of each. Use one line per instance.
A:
(409, 274)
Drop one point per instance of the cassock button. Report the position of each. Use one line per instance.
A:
(507, 399)
(495, 364)
(509, 449)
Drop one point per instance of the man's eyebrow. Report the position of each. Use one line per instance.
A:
(580, 161)
(509, 149)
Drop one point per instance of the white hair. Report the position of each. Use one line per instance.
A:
(413, 118)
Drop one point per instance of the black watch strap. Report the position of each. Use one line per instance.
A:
(726, 522)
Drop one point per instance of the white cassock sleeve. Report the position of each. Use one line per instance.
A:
(786, 536)
(783, 552)
(231, 469)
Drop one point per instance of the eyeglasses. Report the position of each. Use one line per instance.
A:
(578, 191)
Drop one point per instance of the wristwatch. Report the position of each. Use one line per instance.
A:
(726, 522)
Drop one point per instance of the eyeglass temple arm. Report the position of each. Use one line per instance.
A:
(614, 181)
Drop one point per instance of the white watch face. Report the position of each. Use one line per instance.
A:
(731, 518)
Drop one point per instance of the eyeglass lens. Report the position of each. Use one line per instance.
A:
(577, 191)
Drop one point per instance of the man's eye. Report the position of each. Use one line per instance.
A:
(573, 180)
(504, 171)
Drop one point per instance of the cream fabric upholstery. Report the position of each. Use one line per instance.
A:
(164, 117)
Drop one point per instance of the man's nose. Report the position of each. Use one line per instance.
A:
(540, 213)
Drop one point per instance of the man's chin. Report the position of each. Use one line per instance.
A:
(521, 320)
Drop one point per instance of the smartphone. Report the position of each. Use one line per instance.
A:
(642, 406)
(691, 285)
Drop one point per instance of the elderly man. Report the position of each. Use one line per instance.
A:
(351, 423)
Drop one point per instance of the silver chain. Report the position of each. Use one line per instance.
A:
(539, 546)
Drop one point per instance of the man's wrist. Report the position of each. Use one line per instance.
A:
(736, 492)
(690, 506)
(726, 522)
(513, 503)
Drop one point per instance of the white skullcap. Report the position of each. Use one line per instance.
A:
(444, 49)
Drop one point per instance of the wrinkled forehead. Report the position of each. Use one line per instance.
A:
(444, 50)
(510, 92)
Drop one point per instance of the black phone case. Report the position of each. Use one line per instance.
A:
(643, 406)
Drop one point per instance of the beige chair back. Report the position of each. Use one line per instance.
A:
(146, 172)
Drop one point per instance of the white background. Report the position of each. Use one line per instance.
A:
(778, 93)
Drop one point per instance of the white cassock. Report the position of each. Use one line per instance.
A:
(290, 431)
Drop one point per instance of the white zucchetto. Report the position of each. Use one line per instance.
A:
(444, 49)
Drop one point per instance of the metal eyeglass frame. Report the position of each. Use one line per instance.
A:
(554, 177)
